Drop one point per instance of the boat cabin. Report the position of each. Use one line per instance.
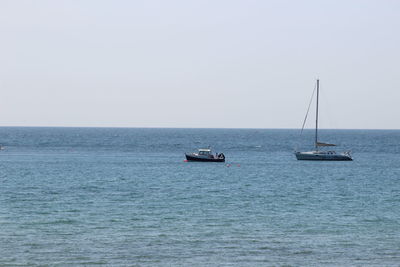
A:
(204, 152)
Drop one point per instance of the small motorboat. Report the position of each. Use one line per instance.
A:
(205, 155)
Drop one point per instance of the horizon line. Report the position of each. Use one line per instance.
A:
(169, 127)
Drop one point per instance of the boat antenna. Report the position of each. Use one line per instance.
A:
(308, 109)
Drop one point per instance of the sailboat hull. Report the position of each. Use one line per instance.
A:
(327, 156)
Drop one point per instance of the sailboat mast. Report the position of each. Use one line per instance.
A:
(316, 120)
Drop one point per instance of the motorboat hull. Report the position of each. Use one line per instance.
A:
(191, 157)
(322, 156)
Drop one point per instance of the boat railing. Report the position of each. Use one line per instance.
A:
(348, 152)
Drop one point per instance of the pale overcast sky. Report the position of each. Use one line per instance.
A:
(220, 63)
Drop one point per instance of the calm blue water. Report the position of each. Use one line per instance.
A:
(125, 197)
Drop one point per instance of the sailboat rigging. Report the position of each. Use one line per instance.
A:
(318, 154)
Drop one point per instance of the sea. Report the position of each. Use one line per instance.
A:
(126, 197)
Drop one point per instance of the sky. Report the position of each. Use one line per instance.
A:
(212, 64)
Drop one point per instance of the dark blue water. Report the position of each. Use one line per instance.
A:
(125, 197)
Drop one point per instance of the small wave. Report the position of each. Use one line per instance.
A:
(63, 221)
(303, 252)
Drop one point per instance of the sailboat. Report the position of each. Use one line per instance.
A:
(318, 154)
